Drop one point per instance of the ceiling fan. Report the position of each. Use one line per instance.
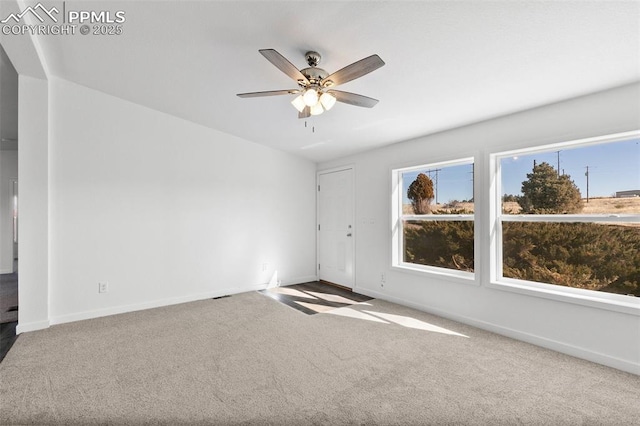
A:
(315, 92)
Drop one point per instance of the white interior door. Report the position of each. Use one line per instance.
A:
(336, 227)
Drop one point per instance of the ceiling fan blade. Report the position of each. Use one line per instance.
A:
(353, 99)
(355, 70)
(284, 65)
(269, 93)
(305, 113)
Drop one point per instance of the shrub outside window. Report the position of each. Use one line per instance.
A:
(434, 218)
(568, 217)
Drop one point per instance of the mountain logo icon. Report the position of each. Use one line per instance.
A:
(37, 11)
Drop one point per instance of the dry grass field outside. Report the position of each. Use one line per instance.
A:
(455, 207)
(598, 205)
(611, 205)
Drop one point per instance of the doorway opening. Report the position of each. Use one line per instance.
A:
(8, 203)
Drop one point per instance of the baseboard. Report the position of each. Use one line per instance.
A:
(544, 342)
(31, 326)
(283, 283)
(238, 290)
(299, 280)
(6, 271)
(115, 310)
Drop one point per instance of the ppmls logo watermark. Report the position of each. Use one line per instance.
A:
(62, 21)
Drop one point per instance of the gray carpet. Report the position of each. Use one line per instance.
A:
(248, 359)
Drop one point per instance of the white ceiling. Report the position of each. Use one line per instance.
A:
(448, 63)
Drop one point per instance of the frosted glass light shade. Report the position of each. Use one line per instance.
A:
(310, 97)
(327, 100)
(317, 109)
(298, 103)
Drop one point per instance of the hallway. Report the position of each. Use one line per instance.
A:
(8, 311)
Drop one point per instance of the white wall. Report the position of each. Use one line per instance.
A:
(600, 335)
(165, 210)
(8, 172)
(33, 224)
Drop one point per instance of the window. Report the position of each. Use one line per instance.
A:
(434, 217)
(568, 217)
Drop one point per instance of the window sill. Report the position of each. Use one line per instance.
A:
(447, 274)
(607, 301)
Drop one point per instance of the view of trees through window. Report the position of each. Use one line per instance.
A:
(569, 216)
(437, 216)
(598, 248)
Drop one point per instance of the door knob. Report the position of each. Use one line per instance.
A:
(349, 234)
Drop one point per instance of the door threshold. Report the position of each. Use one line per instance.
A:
(336, 285)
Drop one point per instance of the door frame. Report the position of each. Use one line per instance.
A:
(345, 167)
(15, 207)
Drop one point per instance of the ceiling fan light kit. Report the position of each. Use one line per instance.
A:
(327, 100)
(316, 109)
(310, 97)
(298, 103)
(316, 93)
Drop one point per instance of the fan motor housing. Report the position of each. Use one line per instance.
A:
(315, 75)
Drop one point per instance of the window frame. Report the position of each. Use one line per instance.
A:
(398, 216)
(604, 300)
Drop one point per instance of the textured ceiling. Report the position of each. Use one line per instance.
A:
(447, 63)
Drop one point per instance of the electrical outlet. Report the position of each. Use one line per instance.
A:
(103, 287)
(265, 266)
(382, 279)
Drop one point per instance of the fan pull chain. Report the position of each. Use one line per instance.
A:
(313, 128)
